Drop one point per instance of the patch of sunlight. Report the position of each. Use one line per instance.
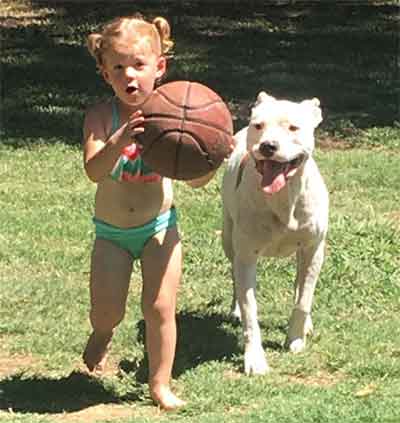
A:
(22, 59)
(57, 110)
(16, 13)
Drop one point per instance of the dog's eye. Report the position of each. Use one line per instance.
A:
(259, 126)
(293, 128)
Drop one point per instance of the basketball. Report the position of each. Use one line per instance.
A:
(188, 130)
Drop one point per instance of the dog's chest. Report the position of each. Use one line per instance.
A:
(267, 235)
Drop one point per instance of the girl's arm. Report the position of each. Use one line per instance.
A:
(101, 153)
(202, 180)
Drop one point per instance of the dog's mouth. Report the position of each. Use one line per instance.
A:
(276, 174)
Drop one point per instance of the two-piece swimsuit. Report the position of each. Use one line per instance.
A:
(131, 168)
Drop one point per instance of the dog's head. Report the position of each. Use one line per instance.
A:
(280, 138)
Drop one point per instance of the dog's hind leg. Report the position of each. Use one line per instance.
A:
(245, 282)
(309, 263)
(228, 249)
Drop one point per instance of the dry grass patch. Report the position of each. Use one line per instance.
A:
(329, 142)
(11, 364)
(105, 411)
(394, 217)
(319, 379)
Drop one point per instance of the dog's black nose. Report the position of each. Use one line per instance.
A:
(268, 148)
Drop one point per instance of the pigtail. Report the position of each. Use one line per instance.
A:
(93, 43)
(164, 30)
(159, 32)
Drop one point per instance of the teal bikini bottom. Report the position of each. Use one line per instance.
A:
(134, 239)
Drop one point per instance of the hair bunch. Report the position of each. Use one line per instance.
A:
(158, 32)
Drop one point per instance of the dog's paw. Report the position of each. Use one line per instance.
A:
(296, 345)
(235, 311)
(255, 362)
(300, 325)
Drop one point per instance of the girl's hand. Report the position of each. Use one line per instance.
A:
(134, 126)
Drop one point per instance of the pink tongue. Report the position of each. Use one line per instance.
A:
(273, 179)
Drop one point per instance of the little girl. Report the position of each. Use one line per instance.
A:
(134, 214)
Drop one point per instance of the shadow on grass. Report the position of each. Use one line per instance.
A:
(344, 55)
(38, 394)
(201, 338)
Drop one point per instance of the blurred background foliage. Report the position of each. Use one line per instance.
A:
(343, 52)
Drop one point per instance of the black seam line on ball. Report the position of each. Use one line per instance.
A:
(187, 119)
(200, 143)
(171, 131)
(175, 103)
(179, 146)
(202, 147)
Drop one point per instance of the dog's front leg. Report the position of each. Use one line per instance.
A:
(235, 308)
(245, 285)
(309, 263)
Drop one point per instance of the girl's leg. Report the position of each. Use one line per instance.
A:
(111, 269)
(161, 269)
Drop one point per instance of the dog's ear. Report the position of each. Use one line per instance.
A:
(263, 96)
(315, 110)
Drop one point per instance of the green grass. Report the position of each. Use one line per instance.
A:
(350, 371)
(46, 237)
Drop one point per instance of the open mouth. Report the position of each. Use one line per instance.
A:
(275, 174)
(131, 90)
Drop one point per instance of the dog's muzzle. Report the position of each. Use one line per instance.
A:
(268, 148)
(275, 174)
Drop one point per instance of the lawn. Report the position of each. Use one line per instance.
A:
(344, 55)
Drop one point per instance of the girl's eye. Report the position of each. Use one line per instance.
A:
(259, 126)
(118, 67)
(293, 128)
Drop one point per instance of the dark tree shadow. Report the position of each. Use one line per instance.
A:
(36, 394)
(344, 54)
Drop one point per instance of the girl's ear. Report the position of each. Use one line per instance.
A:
(106, 76)
(161, 67)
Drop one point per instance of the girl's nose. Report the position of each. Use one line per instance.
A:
(130, 72)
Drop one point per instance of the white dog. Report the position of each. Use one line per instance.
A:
(275, 203)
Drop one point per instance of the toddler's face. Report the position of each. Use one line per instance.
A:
(131, 67)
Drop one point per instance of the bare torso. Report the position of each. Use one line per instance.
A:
(129, 204)
(122, 203)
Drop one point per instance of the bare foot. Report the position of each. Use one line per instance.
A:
(164, 397)
(95, 354)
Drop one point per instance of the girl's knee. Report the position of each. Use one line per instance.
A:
(105, 320)
(161, 310)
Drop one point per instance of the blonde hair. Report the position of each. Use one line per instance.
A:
(158, 32)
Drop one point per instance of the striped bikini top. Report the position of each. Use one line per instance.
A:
(130, 166)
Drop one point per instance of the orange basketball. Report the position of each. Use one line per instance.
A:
(188, 130)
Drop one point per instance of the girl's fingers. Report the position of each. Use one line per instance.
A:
(136, 113)
(136, 131)
(136, 121)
